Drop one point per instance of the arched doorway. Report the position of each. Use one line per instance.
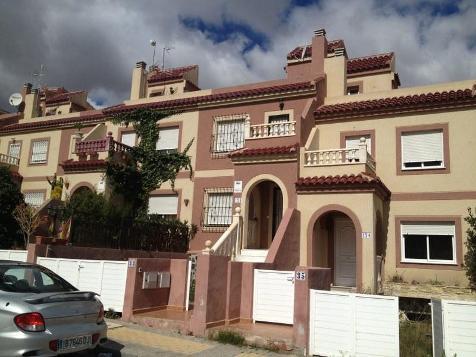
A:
(335, 246)
(264, 214)
(81, 189)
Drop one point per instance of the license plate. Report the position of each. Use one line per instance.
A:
(72, 343)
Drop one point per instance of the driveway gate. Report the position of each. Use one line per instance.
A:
(105, 277)
(343, 324)
(273, 296)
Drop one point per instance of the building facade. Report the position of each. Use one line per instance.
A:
(332, 166)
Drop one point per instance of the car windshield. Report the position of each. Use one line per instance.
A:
(31, 279)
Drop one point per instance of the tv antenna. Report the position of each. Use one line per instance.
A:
(153, 43)
(39, 75)
(165, 50)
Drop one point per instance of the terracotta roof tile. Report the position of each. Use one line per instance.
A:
(276, 150)
(395, 104)
(62, 97)
(85, 117)
(297, 52)
(169, 74)
(86, 165)
(369, 63)
(361, 180)
(194, 101)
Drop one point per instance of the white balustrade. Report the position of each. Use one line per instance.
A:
(10, 160)
(229, 244)
(332, 157)
(270, 130)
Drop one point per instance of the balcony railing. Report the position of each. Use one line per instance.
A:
(9, 160)
(334, 157)
(102, 145)
(271, 130)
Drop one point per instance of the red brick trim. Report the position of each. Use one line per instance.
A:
(419, 128)
(458, 240)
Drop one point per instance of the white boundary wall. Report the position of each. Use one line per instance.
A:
(18, 255)
(346, 324)
(454, 328)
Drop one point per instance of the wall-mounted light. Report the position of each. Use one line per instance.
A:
(186, 201)
(13, 140)
(281, 105)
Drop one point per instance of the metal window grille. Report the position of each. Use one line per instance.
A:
(218, 207)
(229, 135)
(14, 150)
(34, 199)
(39, 151)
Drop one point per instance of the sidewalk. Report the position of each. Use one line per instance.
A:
(128, 340)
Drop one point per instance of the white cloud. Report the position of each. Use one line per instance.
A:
(95, 46)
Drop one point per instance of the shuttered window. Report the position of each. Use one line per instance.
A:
(352, 142)
(34, 199)
(168, 139)
(229, 135)
(39, 151)
(164, 205)
(129, 139)
(218, 208)
(14, 150)
(421, 150)
(428, 242)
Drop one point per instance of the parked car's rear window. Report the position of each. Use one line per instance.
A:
(30, 278)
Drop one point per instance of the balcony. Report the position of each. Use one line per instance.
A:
(270, 130)
(9, 160)
(338, 161)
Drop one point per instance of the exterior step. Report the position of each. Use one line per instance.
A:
(252, 255)
(343, 289)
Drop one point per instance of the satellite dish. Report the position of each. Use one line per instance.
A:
(15, 99)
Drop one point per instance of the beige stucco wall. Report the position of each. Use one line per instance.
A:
(336, 76)
(425, 208)
(363, 207)
(373, 83)
(461, 140)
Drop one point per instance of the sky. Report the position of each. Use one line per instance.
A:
(93, 45)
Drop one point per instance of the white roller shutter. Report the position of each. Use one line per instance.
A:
(422, 147)
(352, 142)
(164, 204)
(129, 139)
(429, 228)
(168, 139)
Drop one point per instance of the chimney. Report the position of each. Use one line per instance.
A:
(32, 104)
(319, 52)
(24, 91)
(336, 73)
(139, 81)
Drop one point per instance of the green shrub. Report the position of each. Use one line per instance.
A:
(10, 198)
(415, 339)
(470, 256)
(229, 337)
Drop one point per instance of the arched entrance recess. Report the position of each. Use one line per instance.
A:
(334, 241)
(82, 187)
(265, 201)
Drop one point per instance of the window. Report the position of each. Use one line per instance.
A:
(14, 150)
(218, 207)
(39, 151)
(422, 150)
(277, 130)
(168, 139)
(353, 142)
(428, 242)
(164, 205)
(34, 198)
(352, 90)
(229, 135)
(129, 139)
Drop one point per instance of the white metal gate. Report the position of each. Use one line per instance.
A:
(344, 324)
(105, 277)
(273, 296)
(454, 328)
(18, 255)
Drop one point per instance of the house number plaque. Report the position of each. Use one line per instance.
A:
(300, 275)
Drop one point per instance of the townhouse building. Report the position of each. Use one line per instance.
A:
(334, 165)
